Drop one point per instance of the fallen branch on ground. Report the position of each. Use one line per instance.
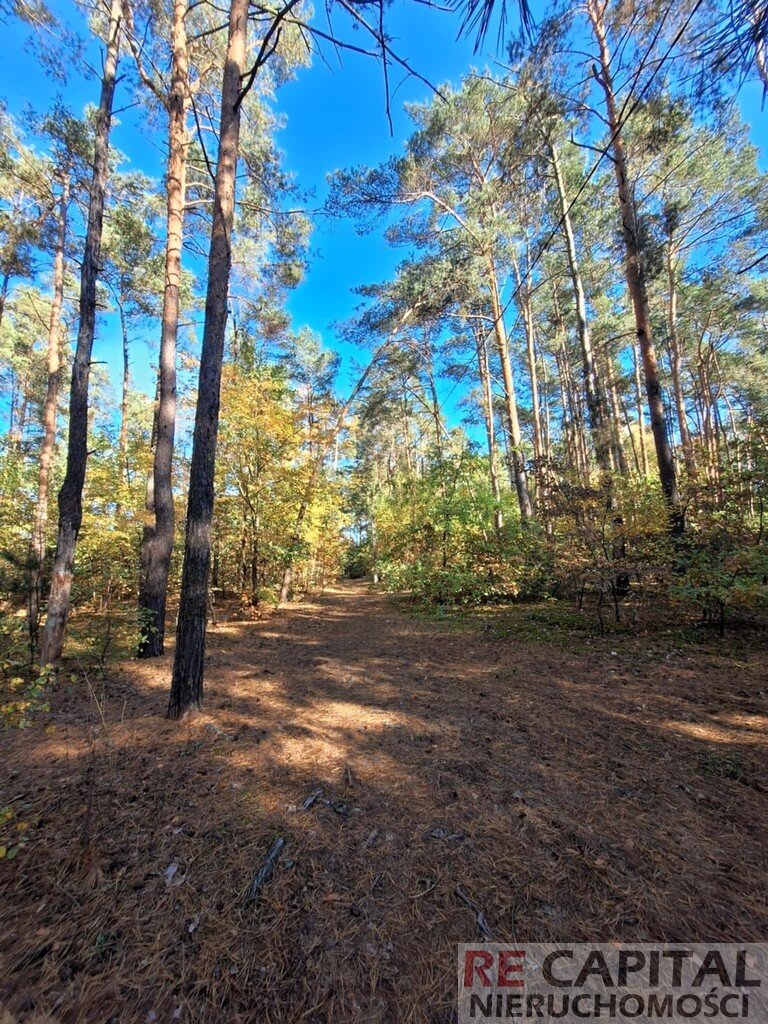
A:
(313, 797)
(263, 874)
(482, 920)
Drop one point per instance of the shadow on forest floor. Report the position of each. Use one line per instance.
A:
(585, 793)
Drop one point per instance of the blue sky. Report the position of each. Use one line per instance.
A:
(339, 120)
(335, 118)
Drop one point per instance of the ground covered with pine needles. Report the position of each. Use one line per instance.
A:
(432, 784)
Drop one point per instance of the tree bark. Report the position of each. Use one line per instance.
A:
(577, 408)
(481, 343)
(676, 362)
(4, 295)
(517, 457)
(547, 418)
(37, 543)
(645, 468)
(71, 493)
(122, 443)
(618, 454)
(571, 452)
(439, 428)
(635, 274)
(541, 470)
(575, 442)
(709, 420)
(530, 350)
(189, 660)
(592, 389)
(633, 446)
(157, 538)
(761, 53)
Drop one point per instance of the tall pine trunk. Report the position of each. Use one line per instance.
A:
(484, 371)
(645, 468)
(635, 273)
(37, 543)
(709, 417)
(122, 443)
(71, 493)
(189, 660)
(676, 363)
(526, 308)
(4, 294)
(593, 393)
(157, 538)
(517, 457)
(618, 453)
(541, 469)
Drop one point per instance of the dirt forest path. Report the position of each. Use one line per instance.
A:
(457, 781)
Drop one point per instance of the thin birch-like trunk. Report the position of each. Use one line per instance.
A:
(71, 493)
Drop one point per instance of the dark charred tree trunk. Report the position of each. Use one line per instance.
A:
(71, 493)
(157, 538)
(189, 660)
(635, 273)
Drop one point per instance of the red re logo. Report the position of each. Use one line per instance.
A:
(488, 969)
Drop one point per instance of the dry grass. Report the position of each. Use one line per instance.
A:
(568, 795)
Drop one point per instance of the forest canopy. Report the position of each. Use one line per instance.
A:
(559, 393)
(383, 480)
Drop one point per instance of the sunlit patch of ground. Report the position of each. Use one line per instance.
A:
(572, 793)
